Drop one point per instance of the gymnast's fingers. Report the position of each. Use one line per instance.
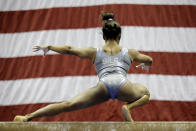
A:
(36, 48)
(140, 65)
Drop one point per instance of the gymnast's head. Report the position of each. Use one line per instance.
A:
(111, 28)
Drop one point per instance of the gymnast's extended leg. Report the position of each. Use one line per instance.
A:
(90, 97)
(135, 94)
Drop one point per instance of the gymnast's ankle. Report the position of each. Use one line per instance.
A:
(29, 117)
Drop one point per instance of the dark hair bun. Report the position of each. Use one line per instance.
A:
(107, 16)
(111, 28)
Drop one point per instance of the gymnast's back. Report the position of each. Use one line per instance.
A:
(106, 64)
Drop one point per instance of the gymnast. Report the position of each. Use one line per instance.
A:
(112, 63)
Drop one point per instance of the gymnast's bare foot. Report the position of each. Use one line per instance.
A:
(126, 113)
(20, 119)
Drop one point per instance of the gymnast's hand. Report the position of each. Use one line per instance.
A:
(143, 66)
(45, 49)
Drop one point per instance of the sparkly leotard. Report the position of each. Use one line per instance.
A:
(112, 69)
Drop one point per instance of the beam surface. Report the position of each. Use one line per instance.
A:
(98, 126)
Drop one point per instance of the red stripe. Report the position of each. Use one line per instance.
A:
(64, 65)
(85, 17)
(111, 111)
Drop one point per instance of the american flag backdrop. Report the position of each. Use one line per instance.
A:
(163, 29)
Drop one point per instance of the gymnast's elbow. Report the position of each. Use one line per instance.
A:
(149, 61)
(75, 51)
(68, 50)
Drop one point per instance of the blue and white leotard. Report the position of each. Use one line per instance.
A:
(112, 69)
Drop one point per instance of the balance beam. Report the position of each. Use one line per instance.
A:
(98, 126)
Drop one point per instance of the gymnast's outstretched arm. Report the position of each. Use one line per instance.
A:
(89, 52)
(141, 58)
(145, 60)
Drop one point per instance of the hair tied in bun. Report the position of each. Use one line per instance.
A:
(111, 28)
(110, 19)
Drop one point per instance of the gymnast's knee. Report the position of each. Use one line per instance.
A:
(147, 95)
(67, 105)
(145, 92)
(71, 105)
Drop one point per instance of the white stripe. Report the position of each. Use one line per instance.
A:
(43, 90)
(140, 38)
(11, 5)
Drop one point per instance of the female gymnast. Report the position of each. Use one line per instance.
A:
(112, 63)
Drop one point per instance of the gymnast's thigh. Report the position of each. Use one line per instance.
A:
(90, 97)
(130, 92)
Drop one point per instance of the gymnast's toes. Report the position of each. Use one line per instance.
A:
(20, 119)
